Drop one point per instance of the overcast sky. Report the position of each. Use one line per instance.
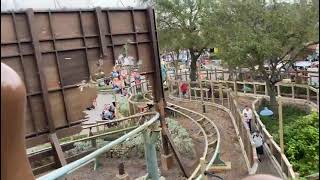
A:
(58, 4)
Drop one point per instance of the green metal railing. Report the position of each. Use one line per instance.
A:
(150, 134)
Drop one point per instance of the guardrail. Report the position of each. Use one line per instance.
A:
(92, 157)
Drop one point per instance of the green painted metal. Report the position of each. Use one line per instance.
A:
(150, 138)
(69, 168)
(218, 161)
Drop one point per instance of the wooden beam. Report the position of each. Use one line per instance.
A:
(59, 156)
(102, 31)
(39, 63)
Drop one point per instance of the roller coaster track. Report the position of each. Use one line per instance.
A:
(208, 130)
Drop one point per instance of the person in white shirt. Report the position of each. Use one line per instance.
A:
(247, 113)
(258, 141)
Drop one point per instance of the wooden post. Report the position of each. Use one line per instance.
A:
(179, 90)
(266, 89)
(215, 73)
(292, 90)
(201, 94)
(222, 74)
(254, 89)
(207, 74)
(189, 87)
(210, 73)
(195, 93)
(220, 93)
(308, 93)
(278, 90)
(235, 87)
(212, 92)
(186, 75)
(281, 128)
(228, 97)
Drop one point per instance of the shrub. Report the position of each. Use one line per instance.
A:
(301, 138)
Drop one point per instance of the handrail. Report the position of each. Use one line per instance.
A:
(63, 171)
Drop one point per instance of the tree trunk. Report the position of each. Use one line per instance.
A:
(193, 66)
(272, 92)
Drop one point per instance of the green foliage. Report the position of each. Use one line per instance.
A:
(138, 97)
(301, 138)
(181, 138)
(123, 107)
(302, 144)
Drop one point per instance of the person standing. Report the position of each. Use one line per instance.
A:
(247, 113)
(258, 141)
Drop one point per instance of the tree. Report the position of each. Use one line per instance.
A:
(181, 25)
(253, 33)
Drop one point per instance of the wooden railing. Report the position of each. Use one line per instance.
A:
(298, 93)
(221, 74)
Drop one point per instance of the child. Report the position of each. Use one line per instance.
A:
(184, 88)
(258, 141)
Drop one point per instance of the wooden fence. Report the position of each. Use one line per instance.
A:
(299, 77)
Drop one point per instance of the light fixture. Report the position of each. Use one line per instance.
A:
(266, 112)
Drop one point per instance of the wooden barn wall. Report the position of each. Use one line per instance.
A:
(53, 51)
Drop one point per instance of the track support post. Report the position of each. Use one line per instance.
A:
(150, 137)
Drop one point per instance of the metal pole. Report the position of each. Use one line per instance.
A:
(150, 138)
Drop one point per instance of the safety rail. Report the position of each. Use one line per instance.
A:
(71, 167)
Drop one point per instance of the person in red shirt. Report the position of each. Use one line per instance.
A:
(184, 88)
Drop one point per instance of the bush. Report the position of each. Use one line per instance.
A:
(124, 107)
(302, 144)
(301, 138)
